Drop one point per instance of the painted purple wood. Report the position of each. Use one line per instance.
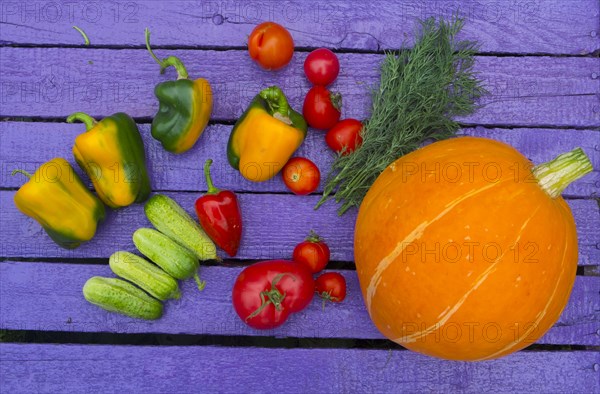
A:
(273, 225)
(183, 172)
(142, 369)
(518, 27)
(54, 82)
(47, 297)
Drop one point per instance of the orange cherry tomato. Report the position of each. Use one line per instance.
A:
(271, 45)
(301, 175)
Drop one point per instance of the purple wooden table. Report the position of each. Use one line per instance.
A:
(539, 59)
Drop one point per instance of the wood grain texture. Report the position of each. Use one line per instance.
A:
(272, 225)
(539, 26)
(47, 297)
(54, 82)
(184, 172)
(142, 369)
(532, 91)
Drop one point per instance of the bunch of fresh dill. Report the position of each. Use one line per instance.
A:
(420, 92)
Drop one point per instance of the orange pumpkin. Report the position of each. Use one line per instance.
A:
(465, 250)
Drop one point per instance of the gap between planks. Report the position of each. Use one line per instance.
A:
(158, 339)
(146, 121)
(303, 49)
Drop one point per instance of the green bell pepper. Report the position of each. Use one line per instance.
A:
(184, 106)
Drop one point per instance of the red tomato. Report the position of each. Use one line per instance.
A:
(321, 67)
(322, 108)
(312, 252)
(301, 175)
(266, 293)
(271, 45)
(331, 286)
(344, 136)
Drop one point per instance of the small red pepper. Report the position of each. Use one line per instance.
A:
(219, 214)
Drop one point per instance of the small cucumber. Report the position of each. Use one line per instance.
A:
(172, 220)
(146, 275)
(173, 258)
(117, 295)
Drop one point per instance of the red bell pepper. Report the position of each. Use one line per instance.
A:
(219, 214)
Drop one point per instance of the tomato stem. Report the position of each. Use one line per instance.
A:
(555, 175)
(272, 296)
(313, 237)
(336, 100)
(326, 296)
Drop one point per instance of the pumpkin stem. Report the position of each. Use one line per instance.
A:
(555, 175)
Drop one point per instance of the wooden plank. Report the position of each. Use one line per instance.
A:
(592, 226)
(549, 26)
(183, 172)
(273, 225)
(47, 297)
(54, 82)
(76, 368)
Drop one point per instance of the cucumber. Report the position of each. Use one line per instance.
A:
(146, 275)
(172, 220)
(173, 258)
(117, 295)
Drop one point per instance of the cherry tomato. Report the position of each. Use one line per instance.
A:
(322, 108)
(331, 286)
(345, 136)
(271, 45)
(321, 67)
(266, 293)
(301, 175)
(312, 252)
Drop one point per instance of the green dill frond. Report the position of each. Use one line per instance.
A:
(421, 90)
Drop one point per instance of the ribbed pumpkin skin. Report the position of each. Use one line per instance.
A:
(468, 266)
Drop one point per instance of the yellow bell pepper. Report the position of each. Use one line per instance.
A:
(111, 152)
(58, 200)
(266, 136)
